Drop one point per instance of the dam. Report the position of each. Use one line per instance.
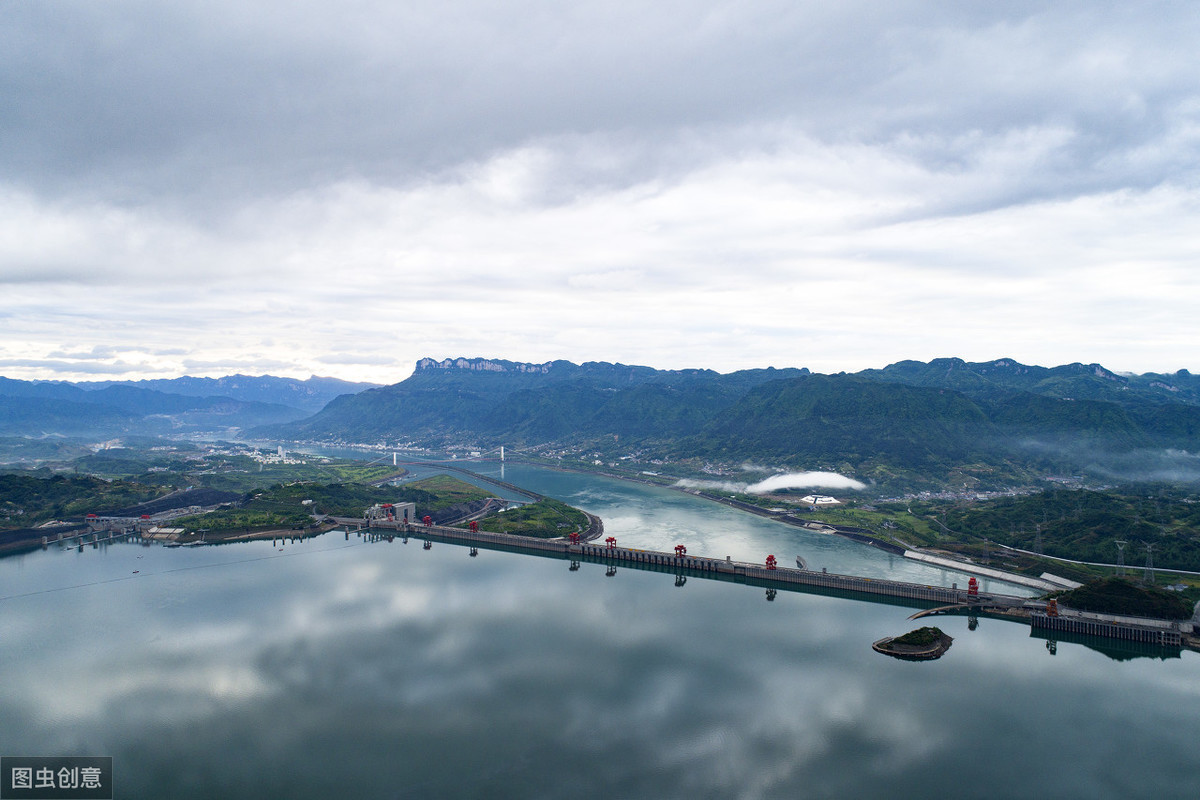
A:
(774, 577)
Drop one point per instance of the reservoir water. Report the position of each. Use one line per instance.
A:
(338, 667)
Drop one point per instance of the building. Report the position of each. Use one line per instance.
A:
(393, 512)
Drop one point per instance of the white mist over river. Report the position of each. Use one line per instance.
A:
(776, 483)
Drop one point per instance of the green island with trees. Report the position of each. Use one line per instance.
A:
(546, 519)
(923, 644)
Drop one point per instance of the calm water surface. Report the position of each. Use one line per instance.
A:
(340, 668)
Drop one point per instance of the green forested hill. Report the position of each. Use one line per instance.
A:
(1086, 525)
(1069, 381)
(1018, 415)
(493, 400)
(843, 417)
(40, 416)
(29, 408)
(27, 500)
(1000, 417)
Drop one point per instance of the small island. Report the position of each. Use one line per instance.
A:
(923, 644)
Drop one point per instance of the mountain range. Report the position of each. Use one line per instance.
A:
(180, 405)
(998, 418)
(982, 423)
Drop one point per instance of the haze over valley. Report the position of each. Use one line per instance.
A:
(941, 425)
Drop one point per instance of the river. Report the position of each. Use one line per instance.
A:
(341, 667)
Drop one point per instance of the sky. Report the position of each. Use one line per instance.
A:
(340, 189)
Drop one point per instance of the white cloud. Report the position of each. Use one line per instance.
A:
(710, 187)
(804, 480)
(775, 483)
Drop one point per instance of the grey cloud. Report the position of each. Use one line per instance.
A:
(54, 365)
(247, 366)
(33, 273)
(96, 353)
(348, 358)
(206, 103)
(206, 172)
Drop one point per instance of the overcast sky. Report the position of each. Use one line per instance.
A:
(342, 188)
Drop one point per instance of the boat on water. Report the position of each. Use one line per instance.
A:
(801, 563)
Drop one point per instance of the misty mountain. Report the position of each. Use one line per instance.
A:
(497, 399)
(38, 408)
(924, 417)
(48, 416)
(53, 390)
(845, 418)
(310, 395)
(1070, 381)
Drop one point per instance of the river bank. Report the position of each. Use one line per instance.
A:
(861, 535)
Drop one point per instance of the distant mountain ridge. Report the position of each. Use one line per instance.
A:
(309, 395)
(946, 417)
(492, 396)
(911, 415)
(482, 365)
(178, 405)
(1070, 381)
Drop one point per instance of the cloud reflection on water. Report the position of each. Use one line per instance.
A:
(386, 670)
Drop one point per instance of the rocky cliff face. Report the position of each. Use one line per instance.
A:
(482, 365)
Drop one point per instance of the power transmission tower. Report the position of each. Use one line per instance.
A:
(1148, 575)
(1037, 542)
(1121, 558)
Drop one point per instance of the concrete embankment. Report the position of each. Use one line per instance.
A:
(986, 572)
